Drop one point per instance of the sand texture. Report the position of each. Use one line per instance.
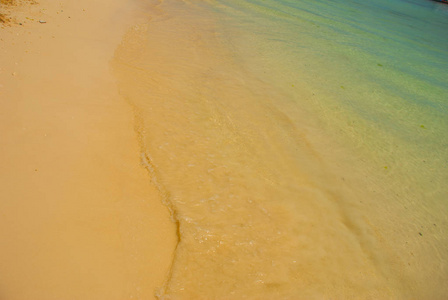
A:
(79, 216)
(222, 149)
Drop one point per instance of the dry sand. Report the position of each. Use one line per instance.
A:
(79, 216)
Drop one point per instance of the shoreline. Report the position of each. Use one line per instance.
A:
(244, 164)
(80, 216)
(110, 110)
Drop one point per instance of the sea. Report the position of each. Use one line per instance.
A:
(301, 146)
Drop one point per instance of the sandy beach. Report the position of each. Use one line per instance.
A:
(80, 218)
(222, 149)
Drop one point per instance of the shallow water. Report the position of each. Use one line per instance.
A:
(300, 145)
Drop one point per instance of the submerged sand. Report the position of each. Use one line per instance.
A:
(142, 156)
(270, 205)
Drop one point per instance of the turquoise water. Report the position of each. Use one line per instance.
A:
(300, 145)
(379, 69)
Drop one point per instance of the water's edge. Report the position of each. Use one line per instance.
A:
(268, 202)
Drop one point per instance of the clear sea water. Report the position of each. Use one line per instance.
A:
(301, 146)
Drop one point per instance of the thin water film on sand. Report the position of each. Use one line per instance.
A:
(300, 146)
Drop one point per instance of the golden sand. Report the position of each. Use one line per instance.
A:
(269, 206)
(79, 216)
(113, 115)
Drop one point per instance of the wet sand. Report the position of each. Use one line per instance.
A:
(80, 217)
(269, 204)
(114, 115)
